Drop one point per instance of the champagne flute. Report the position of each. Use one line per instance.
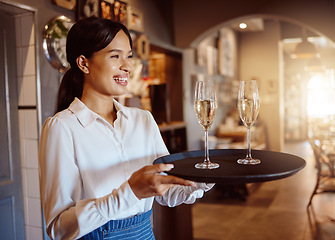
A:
(205, 106)
(248, 109)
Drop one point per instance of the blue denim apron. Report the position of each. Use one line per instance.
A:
(134, 228)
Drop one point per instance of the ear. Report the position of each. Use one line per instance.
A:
(82, 63)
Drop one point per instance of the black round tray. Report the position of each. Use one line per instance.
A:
(273, 166)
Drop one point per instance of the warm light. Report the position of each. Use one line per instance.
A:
(321, 96)
(305, 50)
(317, 82)
(315, 65)
(243, 25)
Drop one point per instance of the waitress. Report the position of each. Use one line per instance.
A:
(97, 180)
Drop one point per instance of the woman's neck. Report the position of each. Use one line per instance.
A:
(102, 105)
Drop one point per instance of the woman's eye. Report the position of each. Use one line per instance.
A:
(130, 56)
(115, 56)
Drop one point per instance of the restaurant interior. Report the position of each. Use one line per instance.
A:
(287, 47)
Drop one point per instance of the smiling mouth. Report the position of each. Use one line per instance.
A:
(121, 80)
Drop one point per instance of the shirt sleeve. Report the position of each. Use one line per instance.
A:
(67, 215)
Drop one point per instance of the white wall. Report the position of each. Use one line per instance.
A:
(194, 131)
(260, 59)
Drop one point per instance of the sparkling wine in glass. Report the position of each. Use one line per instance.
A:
(205, 106)
(248, 109)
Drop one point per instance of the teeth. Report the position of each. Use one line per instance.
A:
(121, 79)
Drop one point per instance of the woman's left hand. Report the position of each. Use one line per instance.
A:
(148, 182)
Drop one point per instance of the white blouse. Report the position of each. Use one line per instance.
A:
(85, 164)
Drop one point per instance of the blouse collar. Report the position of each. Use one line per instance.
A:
(86, 116)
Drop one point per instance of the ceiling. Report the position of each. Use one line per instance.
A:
(291, 35)
(253, 25)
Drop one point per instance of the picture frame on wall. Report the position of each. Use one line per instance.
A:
(120, 12)
(88, 8)
(67, 4)
(143, 47)
(212, 60)
(226, 52)
(107, 9)
(201, 55)
(135, 19)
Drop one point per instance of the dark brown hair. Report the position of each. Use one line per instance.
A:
(87, 36)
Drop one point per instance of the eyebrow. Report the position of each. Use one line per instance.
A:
(118, 50)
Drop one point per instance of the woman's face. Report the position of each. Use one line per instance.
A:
(109, 69)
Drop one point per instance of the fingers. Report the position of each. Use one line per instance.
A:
(158, 168)
(146, 182)
(169, 180)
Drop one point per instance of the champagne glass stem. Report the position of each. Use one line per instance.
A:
(248, 143)
(206, 148)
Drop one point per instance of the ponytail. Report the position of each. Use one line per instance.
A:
(71, 87)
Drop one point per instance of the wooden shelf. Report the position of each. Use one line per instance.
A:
(171, 126)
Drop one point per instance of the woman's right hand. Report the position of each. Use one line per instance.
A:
(148, 182)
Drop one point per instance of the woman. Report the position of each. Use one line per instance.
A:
(97, 180)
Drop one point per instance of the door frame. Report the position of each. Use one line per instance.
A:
(16, 8)
(13, 5)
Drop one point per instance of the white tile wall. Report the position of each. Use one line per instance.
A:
(28, 125)
(27, 90)
(31, 153)
(34, 209)
(33, 183)
(28, 61)
(26, 211)
(27, 30)
(19, 68)
(35, 233)
(24, 182)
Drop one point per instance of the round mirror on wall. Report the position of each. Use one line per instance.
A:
(54, 41)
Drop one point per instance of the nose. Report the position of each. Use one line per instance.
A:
(127, 66)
